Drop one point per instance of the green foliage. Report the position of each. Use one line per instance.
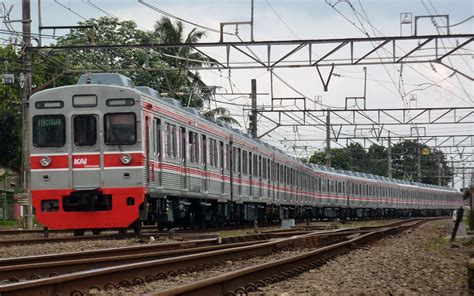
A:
(55, 68)
(221, 114)
(10, 121)
(374, 161)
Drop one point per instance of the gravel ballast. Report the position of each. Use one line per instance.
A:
(418, 262)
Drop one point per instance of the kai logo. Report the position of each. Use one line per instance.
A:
(80, 161)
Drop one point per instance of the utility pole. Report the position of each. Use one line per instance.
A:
(328, 139)
(439, 166)
(418, 165)
(26, 26)
(253, 115)
(452, 165)
(389, 157)
(463, 177)
(365, 85)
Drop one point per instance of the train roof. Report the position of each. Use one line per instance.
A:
(149, 91)
(106, 79)
(121, 80)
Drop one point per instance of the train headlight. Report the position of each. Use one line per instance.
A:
(45, 161)
(126, 158)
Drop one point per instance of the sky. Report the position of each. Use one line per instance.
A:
(303, 19)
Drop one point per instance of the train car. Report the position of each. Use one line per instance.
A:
(108, 155)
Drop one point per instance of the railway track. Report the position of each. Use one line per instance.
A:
(176, 262)
(145, 234)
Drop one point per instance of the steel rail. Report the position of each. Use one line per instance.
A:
(78, 283)
(248, 280)
(16, 269)
(29, 271)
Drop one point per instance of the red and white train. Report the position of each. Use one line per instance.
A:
(108, 155)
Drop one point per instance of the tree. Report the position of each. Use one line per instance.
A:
(221, 114)
(374, 161)
(180, 58)
(405, 159)
(10, 120)
(340, 159)
(377, 160)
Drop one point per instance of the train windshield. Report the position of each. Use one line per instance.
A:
(49, 130)
(85, 130)
(120, 129)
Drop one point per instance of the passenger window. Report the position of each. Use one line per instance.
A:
(120, 129)
(170, 140)
(193, 147)
(85, 130)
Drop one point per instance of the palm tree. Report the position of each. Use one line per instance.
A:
(222, 114)
(181, 58)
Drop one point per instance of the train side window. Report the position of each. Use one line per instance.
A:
(183, 150)
(170, 140)
(221, 154)
(213, 153)
(49, 130)
(227, 157)
(250, 164)
(204, 150)
(239, 161)
(193, 147)
(244, 162)
(234, 159)
(158, 138)
(120, 129)
(264, 168)
(85, 130)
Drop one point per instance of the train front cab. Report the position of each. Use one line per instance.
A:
(86, 158)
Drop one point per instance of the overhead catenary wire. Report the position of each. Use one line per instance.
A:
(161, 11)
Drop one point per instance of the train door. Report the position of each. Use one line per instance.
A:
(183, 154)
(86, 172)
(147, 150)
(239, 170)
(158, 168)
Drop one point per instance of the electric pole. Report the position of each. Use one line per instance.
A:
(452, 165)
(26, 26)
(439, 166)
(418, 165)
(389, 157)
(253, 115)
(328, 139)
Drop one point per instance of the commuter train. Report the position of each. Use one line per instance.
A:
(108, 155)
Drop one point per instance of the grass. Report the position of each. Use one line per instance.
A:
(437, 244)
(8, 223)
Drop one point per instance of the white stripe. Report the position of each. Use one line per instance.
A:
(86, 169)
(121, 152)
(123, 168)
(49, 154)
(87, 153)
(49, 170)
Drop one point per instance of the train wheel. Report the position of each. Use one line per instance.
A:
(137, 226)
(79, 232)
(96, 231)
